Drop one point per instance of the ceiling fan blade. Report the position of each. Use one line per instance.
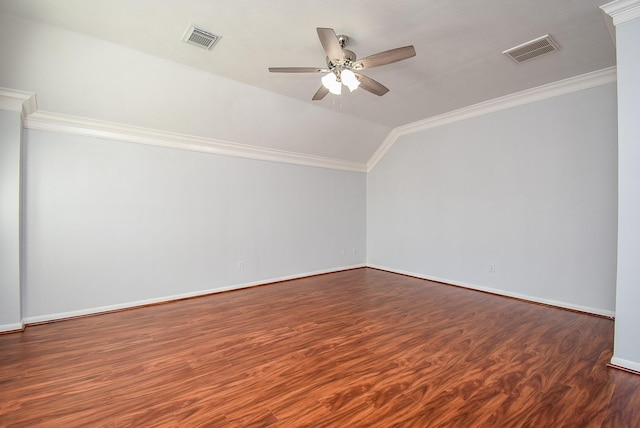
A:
(320, 94)
(368, 84)
(386, 57)
(297, 69)
(330, 43)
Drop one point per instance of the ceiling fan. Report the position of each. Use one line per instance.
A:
(344, 68)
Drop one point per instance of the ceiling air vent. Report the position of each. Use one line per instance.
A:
(199, 37)
(533, 49)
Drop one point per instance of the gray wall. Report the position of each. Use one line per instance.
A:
(627, 336)
(109, 223)
(10, 310)
(530, 190)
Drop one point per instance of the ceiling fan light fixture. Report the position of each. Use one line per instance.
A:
(341, 62)
(331, 82)
(350, 80)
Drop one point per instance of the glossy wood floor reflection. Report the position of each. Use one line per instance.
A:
(355, 348)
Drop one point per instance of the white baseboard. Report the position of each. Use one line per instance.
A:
(138, 303)
(625, 364)
(5, 328)
(564, 305)
(163, 299)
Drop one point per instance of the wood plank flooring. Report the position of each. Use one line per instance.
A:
(348, 349)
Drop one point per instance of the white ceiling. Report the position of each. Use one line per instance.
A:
(458, 44)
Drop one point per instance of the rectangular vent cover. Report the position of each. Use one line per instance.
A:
(199, 37)
(533, 49)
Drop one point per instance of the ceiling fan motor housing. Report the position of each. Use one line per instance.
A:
(347, 62)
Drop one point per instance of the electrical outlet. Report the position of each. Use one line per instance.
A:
(240, 264)
(492, 268)
(343, 252)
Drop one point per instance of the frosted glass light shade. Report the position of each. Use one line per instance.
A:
(350, 80)
(330, 81)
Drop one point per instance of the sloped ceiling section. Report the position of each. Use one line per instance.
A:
(124, 61)
(81, 76)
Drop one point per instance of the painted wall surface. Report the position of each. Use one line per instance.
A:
(627, 335)
(530, 190)
(108, 223)
(81, 76)
(10, 130)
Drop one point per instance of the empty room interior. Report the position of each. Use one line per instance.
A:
(338, 213)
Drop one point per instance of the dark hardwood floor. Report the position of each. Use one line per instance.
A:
(348, 349)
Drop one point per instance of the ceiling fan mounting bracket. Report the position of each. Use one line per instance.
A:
(343, 40)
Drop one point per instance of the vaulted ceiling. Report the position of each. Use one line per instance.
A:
(459, 46)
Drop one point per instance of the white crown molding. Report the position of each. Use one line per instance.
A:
(56, 122)
(387, 143)
(622, 10)
(562, 87)
(18, 101)
(25, 103)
